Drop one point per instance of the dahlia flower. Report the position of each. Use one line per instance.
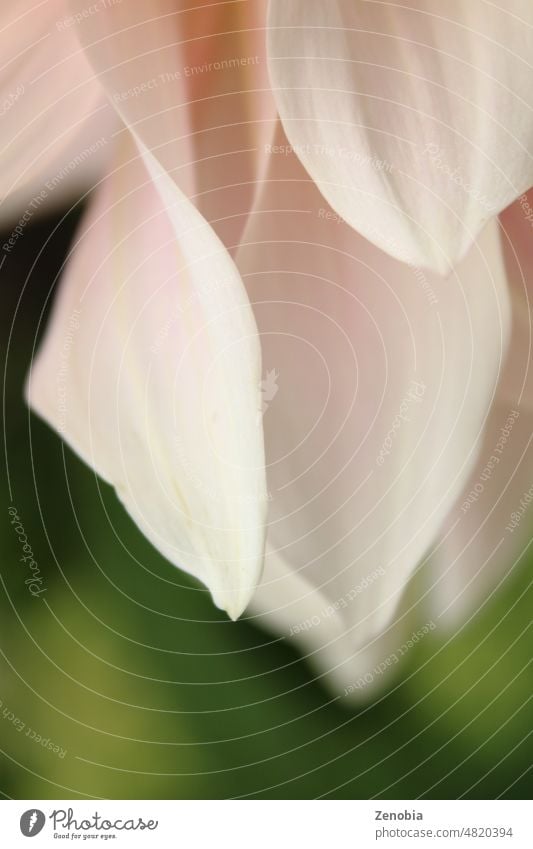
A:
(294, 329)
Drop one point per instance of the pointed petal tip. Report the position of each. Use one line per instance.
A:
(34, 399)
(231, 605)
(235, 611)
(234, 600)
(184, 472)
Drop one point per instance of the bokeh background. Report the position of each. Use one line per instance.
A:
(150, 692)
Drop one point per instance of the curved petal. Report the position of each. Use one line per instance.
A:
(288, 605)
(385, 375)
(192, 84)
(488, 527)
(150, 370)
(48, 91)
(415, 118)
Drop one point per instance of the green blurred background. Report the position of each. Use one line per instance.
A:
(151, 693)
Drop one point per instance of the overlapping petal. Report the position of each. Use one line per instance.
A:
(383, 383)
(415, 118)
(485, 533)
(150, 370)
(385, 376)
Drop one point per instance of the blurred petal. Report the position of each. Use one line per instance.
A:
(150, 370)
(489, 527)
(414, 118)
(48, 91)
(192, 84)
(288, 604)
(69, 175)
(385, 375)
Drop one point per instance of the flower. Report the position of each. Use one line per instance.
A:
(294, 331)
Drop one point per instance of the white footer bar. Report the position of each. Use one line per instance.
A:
(267, 824)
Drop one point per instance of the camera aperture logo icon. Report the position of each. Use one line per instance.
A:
(32, 822)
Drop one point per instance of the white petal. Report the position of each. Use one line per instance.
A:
(150, 370)
(415, 118)
(287, 605)
(485, 534)
(384, 376)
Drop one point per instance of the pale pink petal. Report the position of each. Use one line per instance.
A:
(384, 376)
(150, 370)
(48, 92)
(415, 118)
(490, 525)
(191, 82)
